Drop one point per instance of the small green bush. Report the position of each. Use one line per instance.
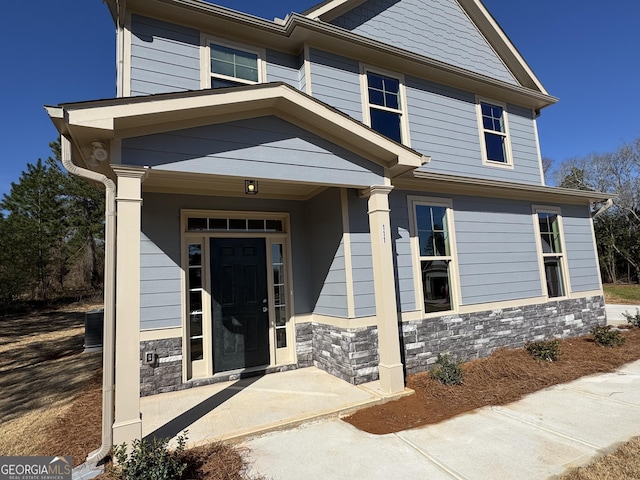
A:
(545, 350)
(633, 320)
(607, 337)
(149, 460)
(448, 371)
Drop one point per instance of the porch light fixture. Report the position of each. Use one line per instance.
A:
(99, 153)
(250, 187)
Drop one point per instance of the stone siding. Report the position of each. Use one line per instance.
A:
(350, 354)
(166, 371)
(477, 335)
(304, 344)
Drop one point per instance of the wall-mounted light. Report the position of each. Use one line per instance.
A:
(250, 187)
(99, 153)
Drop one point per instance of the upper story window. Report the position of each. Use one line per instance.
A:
(230, 65)
(384, 105)
(553, 258)
(494, 128)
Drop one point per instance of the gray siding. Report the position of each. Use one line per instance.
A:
(335, 80)
(402, 257)
(164, 57)
(581, 256)
(438, 29)
(497, 253)
(282, 67)
(326, 254)
(361, 262)
(444, 124)
(265, 147)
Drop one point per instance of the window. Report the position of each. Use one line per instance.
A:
(384, 106)
(432, 229)
(550, 232)
(495, 133)
(229, 66)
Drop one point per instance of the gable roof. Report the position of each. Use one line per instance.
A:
(105, 120)
(330, 10)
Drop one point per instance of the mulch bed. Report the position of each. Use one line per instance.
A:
(502, 378)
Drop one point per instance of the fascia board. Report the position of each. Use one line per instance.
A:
(444, 183)
(331, 9)
(170, 111)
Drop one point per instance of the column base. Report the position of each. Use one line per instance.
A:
(391, 378)
(126, 432)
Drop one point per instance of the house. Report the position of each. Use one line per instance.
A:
(357, 187)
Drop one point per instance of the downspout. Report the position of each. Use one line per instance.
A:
(108, 348)
(604, 208)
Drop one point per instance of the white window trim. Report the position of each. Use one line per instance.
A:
(454, 273)
(205, 60)
(278, 356)
(481, 130)
(541, 256)
(404, 109)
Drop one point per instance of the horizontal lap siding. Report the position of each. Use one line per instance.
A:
(497, 255)
(403, 259)
(282, 67)
(326, 254)
(265, 147)
(335, 80)
(160, 286)
(361, 261)
(164, 57)
(581, 256)
(444, 125)
(439, 29)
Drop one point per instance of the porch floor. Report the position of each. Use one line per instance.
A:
(252, 406)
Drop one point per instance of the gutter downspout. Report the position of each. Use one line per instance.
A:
(604, 208)
(108, 348)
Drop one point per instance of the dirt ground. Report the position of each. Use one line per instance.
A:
(50, 392)
(504, 377)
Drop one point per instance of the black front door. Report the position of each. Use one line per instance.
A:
(239, 303)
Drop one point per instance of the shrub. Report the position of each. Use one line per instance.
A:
(605, 336)
(149, 460)
(546, 350)
(633, 320)
(448, 371)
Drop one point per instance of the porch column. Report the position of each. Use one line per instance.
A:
(390, 367)
(128, 425)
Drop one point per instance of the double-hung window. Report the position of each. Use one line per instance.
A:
(496, 147)
(550, 231)
(432, 227)
(384, 106)
(230, 65)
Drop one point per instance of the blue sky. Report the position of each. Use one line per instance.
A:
(584, 51)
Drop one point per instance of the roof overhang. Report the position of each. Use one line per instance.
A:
(300, 30)
(453, 184)
(113, 119)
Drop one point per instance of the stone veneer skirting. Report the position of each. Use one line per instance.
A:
(477, 335)
(352, 353)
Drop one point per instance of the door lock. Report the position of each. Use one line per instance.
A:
(264, 309)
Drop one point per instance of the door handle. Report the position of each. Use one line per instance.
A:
(264, 309)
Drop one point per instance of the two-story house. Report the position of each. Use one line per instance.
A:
(358, 187)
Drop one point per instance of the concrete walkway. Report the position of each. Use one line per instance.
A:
(538, 437)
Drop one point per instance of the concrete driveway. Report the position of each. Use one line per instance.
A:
(615, 313)
(538, 437)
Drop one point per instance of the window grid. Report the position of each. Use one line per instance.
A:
(212, 224)
(431, 223)
(552, 253)
(279, 294)
(194, 307)
(494, 132)
(232, 66)
(385, 105)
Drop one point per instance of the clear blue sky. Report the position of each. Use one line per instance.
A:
(584, 51)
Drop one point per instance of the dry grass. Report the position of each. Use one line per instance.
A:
(627, 294)
(623, 464)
